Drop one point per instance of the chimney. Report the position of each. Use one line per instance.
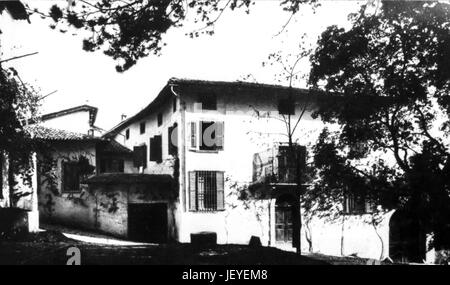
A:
(123, 117)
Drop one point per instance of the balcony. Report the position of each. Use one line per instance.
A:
(279, 164)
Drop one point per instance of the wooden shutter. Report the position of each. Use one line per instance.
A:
(192, 191)
(136, 154)
(140, 156)
(144, 155)
(193, 134)
(220, 191)
(169, 141)
(219, 135)
(152, 150)
(158, 151)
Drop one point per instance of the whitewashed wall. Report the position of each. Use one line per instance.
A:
(62, 207)
(77, 122)
(245, 134)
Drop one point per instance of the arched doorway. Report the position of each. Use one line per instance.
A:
(407, 240)
(286, 220)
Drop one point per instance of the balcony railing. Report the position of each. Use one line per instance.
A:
(279, 164)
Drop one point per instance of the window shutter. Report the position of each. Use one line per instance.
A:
(144, 156)
(220, 191)
(192, 190)
(140, 156)
(169, 140)
(158, 145)
(193, 134)
(220, 135)
(136, 156)
(152, 149)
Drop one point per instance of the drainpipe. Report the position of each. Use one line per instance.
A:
(181, 148)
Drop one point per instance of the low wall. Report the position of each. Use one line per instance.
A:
(350, 235)
(99, 207)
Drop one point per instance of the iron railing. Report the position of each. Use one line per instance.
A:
(279, 164)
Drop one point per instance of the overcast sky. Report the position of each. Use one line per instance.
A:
(239, 46)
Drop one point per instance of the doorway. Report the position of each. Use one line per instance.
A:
(148, 222)
(284, 220)
(406, 238)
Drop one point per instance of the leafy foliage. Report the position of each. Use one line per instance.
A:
(391, 71)
(130, 30)
(18, 103)
(14, 8)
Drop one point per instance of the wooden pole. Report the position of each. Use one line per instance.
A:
(17, 57)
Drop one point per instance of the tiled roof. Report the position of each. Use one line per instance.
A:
(234, 84)
(45, 133)
(114, 147)
(92, 113)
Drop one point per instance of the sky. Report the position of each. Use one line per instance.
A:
(241, 43)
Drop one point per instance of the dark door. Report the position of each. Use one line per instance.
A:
(148, 222)
(406, 238)
(283, 223)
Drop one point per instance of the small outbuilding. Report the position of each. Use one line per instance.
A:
(135, 206)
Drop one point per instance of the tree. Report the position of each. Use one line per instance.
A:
(286, 115)
(18, 103)
(389, 73)
(133, 29)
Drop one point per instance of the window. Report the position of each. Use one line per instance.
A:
(173, 139)
(356, 205)
(206, 191)
(71, 177)
(211, 136)
(174, 105)
(127, 134)
(142, 128)
(156, 149)
(140, 156)
(208, 101)
(160, 119)
(286, 106)
(111, 165)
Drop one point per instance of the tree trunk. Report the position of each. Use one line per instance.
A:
(342, 235)
(11, 184)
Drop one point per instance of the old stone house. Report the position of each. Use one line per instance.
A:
(220, 138)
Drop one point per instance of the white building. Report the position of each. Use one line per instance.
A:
(172, 135)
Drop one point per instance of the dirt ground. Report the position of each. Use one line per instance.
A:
(51, 246)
